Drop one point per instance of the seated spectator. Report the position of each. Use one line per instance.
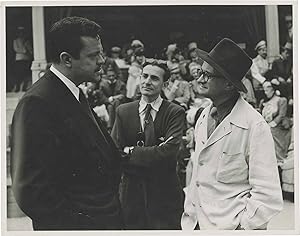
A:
(195, 72)
(114, 91)
(96, 99)
(194, 59)
(121, 63)
(175, 57)
(193, 54)
(260, 70)
(94, 95)
(110, 64)
(115, 55)
(177, 90)
(274, 109)
(134, 71)
(282, 71)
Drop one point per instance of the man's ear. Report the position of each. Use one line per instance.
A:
(66, 59)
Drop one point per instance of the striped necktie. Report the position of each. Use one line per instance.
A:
(149, 127)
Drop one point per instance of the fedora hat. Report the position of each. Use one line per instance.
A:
(229, 60)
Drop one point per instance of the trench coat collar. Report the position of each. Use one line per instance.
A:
(236, 117)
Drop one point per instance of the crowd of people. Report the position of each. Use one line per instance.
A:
(100, 140)
(269, 90)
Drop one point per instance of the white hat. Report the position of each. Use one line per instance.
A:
(137, 43)
(260, 45)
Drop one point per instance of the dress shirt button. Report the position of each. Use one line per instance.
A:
(74, 174)
(201, 163)
(198, 183)
(202, 142)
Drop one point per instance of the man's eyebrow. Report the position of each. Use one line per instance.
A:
(154, 77)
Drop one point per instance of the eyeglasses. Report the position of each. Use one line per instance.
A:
(204, 76)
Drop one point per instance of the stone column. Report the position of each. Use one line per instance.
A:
(272, 31)
(39, 47)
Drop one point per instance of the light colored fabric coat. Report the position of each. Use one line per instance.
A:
(235, 177)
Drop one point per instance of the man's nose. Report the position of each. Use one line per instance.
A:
(200, 79)
(101, 59)
(148, 80)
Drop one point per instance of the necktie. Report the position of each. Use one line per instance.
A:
(149, 127)
(213, 121)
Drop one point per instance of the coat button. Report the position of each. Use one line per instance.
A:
(198, 183)
(74, 174)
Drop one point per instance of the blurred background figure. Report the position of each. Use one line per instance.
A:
(260, 69)
(274, 111)
(114, 92)
(178, 90)
(282, 71)
(134, 71)
(121, 63)
(175, 58)
(289, 26)
(23, 50)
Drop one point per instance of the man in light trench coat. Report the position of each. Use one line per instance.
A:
(235, 182)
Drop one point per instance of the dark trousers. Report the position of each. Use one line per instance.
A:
(81, 222)
(22, 74)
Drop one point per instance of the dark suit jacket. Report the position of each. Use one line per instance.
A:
(151, 196)
(282, 68)
(65, 175)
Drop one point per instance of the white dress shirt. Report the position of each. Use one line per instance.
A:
(70, 85)
(155, 108)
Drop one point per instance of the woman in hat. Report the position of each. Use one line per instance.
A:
(274, 110)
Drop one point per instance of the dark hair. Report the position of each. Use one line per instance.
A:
(159, 63)
(65, 34)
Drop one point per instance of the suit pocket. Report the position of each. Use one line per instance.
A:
(232, 168)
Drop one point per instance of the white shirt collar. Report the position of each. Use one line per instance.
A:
(155, 104)
(70, 85)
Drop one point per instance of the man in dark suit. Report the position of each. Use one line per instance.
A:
(65, 167)
(150, 131)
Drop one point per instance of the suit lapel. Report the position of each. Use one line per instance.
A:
(136, 122)
(222, 130)
(71, 106)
